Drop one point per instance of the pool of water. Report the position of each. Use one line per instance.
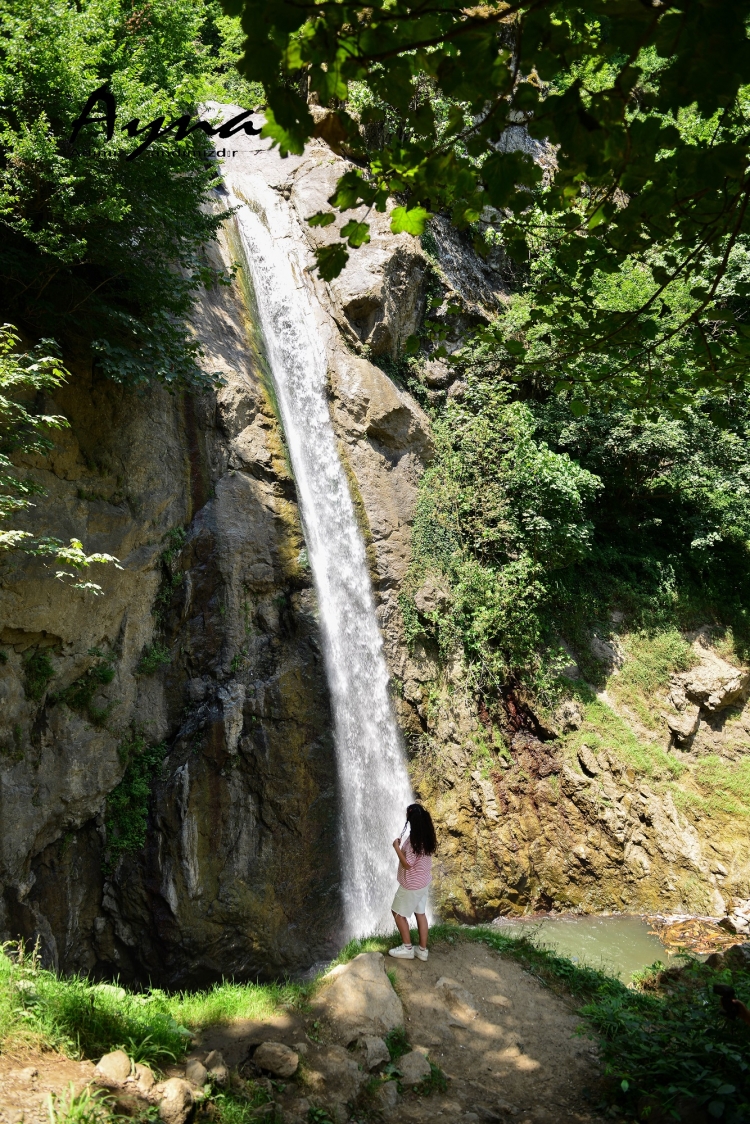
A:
(617, 945)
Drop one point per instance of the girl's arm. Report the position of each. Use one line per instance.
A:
(401, 855)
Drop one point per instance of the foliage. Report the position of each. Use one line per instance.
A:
(397, 1042)
(37, 672)
(82, 691)
(642, 110)
(78, 1017)
(437, 1082)
(535, 525)
(318, 1116)
(127, 804)
(154, 656)
(86, 1107)
(498, 512)
(25, 376)
(233, 1108)
(97, 249)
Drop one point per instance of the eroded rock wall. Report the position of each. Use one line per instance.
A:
(205, 642)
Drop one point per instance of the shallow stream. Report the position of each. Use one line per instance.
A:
(617, 945)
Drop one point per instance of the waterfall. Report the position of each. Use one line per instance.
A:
(373, 782)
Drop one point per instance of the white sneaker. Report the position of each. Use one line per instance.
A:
(402, 952)
(421, 953)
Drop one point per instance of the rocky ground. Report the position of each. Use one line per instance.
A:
(484, 1041)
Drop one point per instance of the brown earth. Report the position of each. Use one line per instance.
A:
(27, 1078)
(519, 1055)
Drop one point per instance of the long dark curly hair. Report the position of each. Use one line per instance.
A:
(422, 834)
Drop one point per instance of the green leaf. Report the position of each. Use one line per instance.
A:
(411, 221)
(579, 408)
(624, 1085)
(356, 233)
(321, 218)
(331, 260)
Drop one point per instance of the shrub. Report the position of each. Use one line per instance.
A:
(38, 670)
(154, 656)
(127, 804)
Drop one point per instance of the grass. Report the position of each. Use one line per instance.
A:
(650, 660)
(83, 1019)
(664, 1043)
(154, 656)
(86, 1107)
(725, 784)
(603, 729)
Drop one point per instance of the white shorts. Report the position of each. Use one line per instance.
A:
(407, 902)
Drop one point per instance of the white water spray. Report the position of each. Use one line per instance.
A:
(373, 781)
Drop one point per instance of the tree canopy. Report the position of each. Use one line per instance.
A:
(102, 253)
(642, 108)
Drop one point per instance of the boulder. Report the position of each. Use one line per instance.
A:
(217, 1068)
(196, 1073)
(607, 651)
(374, 1050)
(276, 1058)
(386, 1095)
(588, 761)
(113, 1069)
(359, 999)
(738, 956)
(684, 724)
(713, 683)
(413, 1068)
(144, 1078)
(332, 1074)
(176, 1101)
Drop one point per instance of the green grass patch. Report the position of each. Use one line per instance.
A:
(239, 1108)
(650, 660)
(86, 1107)
(227, 1001)
(725, 784)
(603, 729)
(83, 1019)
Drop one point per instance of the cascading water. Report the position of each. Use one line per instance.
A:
(373, 780)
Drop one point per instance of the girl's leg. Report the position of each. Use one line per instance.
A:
(422, 928)
(403, 927)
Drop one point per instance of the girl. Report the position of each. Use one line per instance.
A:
(414, 877)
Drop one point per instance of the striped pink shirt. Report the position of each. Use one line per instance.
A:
(420, 874)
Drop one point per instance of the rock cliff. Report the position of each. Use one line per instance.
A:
(167, 778)
(203, 654)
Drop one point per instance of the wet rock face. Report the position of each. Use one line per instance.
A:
(238, 875)
(206, 642)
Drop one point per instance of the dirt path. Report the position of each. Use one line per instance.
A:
(517, 1055)
(27, 1079)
